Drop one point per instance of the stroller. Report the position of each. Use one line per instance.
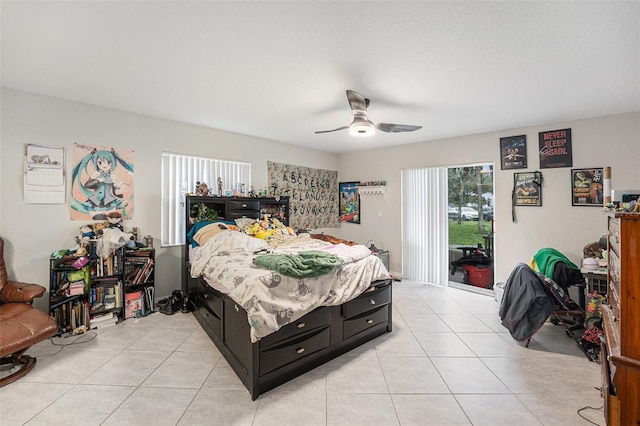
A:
(531, 298)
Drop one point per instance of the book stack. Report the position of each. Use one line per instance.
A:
(138, 270)
(103, 321)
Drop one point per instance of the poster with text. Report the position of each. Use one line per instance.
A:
(526, 189)
(587, 186)
(555, 149)
(101, 182)
(513, 152)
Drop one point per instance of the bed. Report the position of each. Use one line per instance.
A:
(279, 307)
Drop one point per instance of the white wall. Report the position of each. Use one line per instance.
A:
(605, 141)
(33, 231)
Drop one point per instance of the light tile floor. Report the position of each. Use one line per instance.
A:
(448, 361)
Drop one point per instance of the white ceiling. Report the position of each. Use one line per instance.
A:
(279, 70)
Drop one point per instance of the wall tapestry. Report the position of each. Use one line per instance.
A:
(101, 182)
(312, 194)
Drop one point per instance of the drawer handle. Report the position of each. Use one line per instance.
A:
(371, 301)
(369, 321)
(370, 289)
(204, 296)
(244, 205)
(301, 325)
(299, 350)
(236, 308)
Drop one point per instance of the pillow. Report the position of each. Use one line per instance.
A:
(194, 229)
(211, 230)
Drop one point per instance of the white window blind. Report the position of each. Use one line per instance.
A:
(425, 230)
(179, 176)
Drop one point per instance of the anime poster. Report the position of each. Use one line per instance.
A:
(101, 182)
(587, 187)
(349, 202)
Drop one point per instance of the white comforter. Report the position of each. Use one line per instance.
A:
(271, 299)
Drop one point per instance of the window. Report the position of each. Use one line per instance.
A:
(179, 176)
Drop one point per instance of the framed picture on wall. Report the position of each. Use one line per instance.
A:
(513, 152)
(587, 187)
(527, 189)
(349, 204)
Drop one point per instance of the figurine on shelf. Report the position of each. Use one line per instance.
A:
(202, 189)
(219, 186)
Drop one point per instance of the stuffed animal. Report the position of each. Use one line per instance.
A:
(98, 227)
(202, 189)
(115, 220)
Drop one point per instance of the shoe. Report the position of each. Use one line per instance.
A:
(164, 306)
(177, 300)
(186, 305)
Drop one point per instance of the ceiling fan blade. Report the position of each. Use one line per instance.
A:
(357, 102)
(334, 130)
(396, 128)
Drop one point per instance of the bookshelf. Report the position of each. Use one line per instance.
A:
(139, 278)
(82, 288)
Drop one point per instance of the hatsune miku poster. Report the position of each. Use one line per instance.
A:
(101, 182)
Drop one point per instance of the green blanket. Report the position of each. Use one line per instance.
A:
(306, 264)
(546, 260)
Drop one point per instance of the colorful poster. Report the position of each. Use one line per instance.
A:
(312, 194)
(527, 189)
(101, 182)
(555, 149)
(349, 202)
(587, 187)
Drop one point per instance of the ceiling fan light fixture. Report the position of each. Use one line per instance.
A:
(362, 128)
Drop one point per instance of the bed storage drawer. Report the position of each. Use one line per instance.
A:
(355, 325)
(371, 298)
(292, 350)
(210, 306)
(320, 317)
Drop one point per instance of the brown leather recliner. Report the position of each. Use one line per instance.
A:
(21, 325)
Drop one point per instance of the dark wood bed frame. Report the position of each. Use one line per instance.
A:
(298, 347)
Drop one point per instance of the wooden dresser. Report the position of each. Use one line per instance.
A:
(620, 354)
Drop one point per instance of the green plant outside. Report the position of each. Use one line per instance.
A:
(466, 233)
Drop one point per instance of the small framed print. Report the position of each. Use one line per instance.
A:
(527, 189)
(513, 152)
(587, 187)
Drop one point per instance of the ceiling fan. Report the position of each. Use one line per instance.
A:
(361, 125)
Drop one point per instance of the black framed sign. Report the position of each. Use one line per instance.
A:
(587, 187)
(349, 202)
(527, 189)
(555, 149)
(513, 152)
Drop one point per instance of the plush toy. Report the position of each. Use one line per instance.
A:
(87, 232)
(115, 220)
(98, 227)
(202, 188)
